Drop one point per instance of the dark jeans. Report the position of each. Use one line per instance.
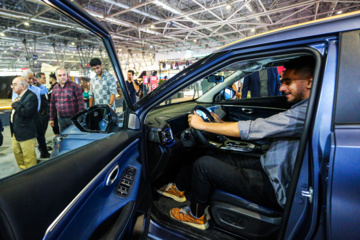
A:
(42, 124)
(234, 173)
(64, 122)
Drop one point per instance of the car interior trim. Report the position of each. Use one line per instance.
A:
(72, 203)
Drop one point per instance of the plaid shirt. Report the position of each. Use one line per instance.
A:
(102, 89)
(66, 101)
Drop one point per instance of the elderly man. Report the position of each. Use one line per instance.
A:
(40, 93)
(66, 100)
(23, 123)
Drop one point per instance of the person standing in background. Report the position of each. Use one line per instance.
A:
(86, 97)
(23, 125)
(66, 100)
(103, 86)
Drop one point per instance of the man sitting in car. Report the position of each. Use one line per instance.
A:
(262, 180)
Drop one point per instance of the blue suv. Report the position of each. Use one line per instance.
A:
(102, 188)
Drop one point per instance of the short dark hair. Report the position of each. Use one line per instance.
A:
(132, 72)
(52, 75)
(305, 64)
(38, 75)
(95, 62)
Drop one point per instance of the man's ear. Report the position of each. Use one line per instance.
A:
(309, 82)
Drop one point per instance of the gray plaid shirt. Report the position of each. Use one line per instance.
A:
(285, 128)
(102, 89)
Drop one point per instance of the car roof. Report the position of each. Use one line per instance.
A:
(325, 26)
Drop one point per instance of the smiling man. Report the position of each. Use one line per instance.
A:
(262, 180)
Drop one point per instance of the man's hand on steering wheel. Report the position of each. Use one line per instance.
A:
(195, 121)
(217, 119)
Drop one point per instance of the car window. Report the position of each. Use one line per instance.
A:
(54, 47)
(239, 76)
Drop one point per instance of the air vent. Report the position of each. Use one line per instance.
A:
(167, 136)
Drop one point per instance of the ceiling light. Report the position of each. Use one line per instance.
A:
(339, 12)
(152, 26)
(228, 6)
(11, 48)
(35, 61)
(151, 46)
(73, 51)
(167, 7)
(195, 40)
(5, 51)
(2, 34)
(26, 24)
(43, 54)
(73, 43)
(253, 30)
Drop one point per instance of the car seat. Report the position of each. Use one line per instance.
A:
(242, 217)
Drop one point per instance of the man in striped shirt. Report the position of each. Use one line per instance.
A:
(66, 100)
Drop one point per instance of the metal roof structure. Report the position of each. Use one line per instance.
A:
(141, 29)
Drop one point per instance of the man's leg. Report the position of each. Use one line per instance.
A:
(28, 149)
(64, 123)
(18, 153)
(41, 138)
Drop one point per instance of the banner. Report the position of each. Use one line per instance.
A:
(145, 80)
(153, 82)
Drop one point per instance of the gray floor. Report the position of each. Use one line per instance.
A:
(8, 165)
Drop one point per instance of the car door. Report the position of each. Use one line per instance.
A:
(87, 193)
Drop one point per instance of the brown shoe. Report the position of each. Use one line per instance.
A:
(184, 215)
(171, 191)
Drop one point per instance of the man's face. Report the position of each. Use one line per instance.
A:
(296, 87)
(43, 79)
(130, 76)
(61, 76)
(30, 78)
(98, 69)
(17, 86)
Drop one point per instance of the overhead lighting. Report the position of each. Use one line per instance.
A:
(253, 30)
(339, 12)
(152, 26)
(5, 51)
(43, 54)
(11, 48)
(73, 43)
(151, 46)
(119, 22)
(195, 40)
(26, 24)
(228, 6)
(2, 34)
(74, 52)
(167, 7)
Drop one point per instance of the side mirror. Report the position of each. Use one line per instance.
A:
(216, 79)
(227, 93)
(98, 118)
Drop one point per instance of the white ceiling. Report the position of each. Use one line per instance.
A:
(141, 29)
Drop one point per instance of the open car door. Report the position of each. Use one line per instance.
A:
(87, 193)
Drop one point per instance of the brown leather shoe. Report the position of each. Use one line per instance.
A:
(170, 190)
(184, 215)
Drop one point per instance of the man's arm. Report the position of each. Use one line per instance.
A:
(27, 107)
(91, 93)
(43, 89)
(136, 86)
(225, 128)
(112, 89)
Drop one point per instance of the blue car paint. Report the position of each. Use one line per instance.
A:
(72, 138)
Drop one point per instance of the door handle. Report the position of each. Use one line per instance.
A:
(112, 176)
(247, 110)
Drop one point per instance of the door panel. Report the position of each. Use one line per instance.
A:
(32, 199)
(249, 109)
(100, 199)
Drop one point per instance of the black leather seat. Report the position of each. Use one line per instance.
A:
(242, 217)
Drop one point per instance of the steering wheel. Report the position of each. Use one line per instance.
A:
(203, 136)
